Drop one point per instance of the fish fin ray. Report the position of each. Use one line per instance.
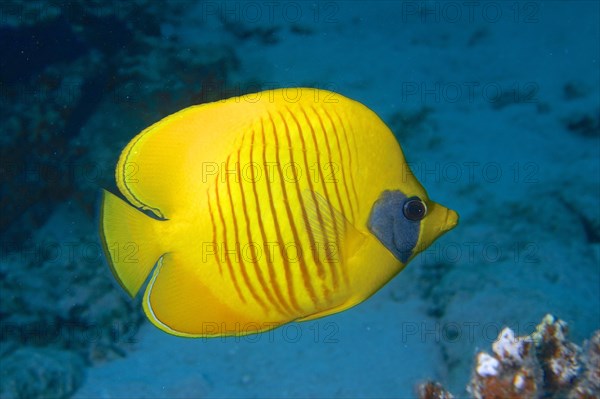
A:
(180, 303)
(148, 173)
(327, 312)
(130, 241)
(330, 226)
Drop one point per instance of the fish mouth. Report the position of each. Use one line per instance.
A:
(451, 220)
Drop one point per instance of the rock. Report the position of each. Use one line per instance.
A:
(433, 390)
(30, 373)
(583, 124)
(544, 364)
(557, 356)
(589, 385)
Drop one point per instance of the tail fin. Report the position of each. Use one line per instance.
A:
(131, 241)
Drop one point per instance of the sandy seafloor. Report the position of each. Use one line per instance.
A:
(518, 252)
(509, 170)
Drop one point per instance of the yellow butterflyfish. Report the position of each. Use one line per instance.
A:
(245, 214)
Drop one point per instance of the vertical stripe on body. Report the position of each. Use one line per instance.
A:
(290, 217)
(248, 210)
(266, 288)
(330, 210)
(320, 269)
(289, 282)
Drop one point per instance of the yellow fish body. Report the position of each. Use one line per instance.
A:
(283, 205)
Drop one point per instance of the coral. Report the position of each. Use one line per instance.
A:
(30, 373)
(509, 349)
(509, 373)
(589, 385)
(544, 364)
(433, 390)
(557, 356)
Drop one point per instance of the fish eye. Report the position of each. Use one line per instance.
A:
(414, 209)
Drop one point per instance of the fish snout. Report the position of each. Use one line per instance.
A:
(438, 222)
(451, 220)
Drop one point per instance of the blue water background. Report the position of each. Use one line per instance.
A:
(496, 106)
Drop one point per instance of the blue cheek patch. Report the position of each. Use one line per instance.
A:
(388, 223)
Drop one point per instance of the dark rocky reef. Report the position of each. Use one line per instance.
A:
(34, 373)
(60, 63)
(77, 81)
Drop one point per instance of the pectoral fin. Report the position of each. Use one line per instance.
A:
(333, 234)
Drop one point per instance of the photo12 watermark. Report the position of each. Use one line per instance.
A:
(484, 252)
(286, 253)
(470, 12)
(271, 172)
(454, 332)
(271, 12)
(290, 92)
(24, 173)
(472, 172)
(53, 252)
(315, 332)
(497, 94)
(69, 332)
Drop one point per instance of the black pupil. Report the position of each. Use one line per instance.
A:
(414, 209)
